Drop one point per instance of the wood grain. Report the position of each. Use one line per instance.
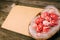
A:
(9, 35)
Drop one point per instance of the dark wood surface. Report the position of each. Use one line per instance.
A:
(36, 3)
(5, 7)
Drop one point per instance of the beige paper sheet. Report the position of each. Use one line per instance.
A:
(19, 19)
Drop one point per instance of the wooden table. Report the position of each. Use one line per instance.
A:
(9, 35)
(19, 19)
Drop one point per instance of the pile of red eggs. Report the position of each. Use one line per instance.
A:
(45, 22)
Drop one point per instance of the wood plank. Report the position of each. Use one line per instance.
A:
(36, 3)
